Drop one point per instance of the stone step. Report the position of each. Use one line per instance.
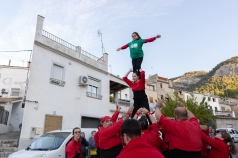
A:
(8, 149)
(9, 145)
(5, 154)
(9, 141)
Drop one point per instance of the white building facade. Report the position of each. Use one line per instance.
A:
(213, 103)
(67, 88)
(12, 89)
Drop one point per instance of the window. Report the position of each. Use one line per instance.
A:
(93, 89)
(15, 92)
(180, 92)
(57, 74)
(210, 107)
(151, 87)
(214, 99)
(126, 96)
(151, 99)
(206, 103)
(119, 95)
(162, 97)
(215, 109)
(223, 108)
(161, 86)
(3, 115)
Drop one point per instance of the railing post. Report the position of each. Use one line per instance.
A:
(78, 52)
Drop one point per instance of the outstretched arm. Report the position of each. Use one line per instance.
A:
(123, 47)
(158, 113)
(142, 75)
(152, 39)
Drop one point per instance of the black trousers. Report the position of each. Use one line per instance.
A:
(111, 153)
(140, 103)
(98, 152)
(136, 64)
(176, 153)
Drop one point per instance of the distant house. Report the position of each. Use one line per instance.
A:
(12, 90)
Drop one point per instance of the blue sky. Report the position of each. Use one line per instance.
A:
(196, 35)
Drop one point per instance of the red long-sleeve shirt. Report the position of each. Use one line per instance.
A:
(138, 86)
(146, 41)
(151, 137)
(114, 119)
(204, 145)
(96, 139)
(108, 137)
(219, 148)
(115, 116)
(73, 148)
(139, 148)
(162, 146)
(184, 135)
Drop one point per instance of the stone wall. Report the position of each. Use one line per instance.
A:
(226, 122)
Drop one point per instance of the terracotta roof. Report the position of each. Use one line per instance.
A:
(162, 78)
(6, 100)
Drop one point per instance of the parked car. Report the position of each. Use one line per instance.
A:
(233, 133)
(50, 145)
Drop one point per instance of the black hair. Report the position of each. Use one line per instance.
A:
(100, 122)
(93, 132)
(137, 73)
(143, 123)
(137, 34)
(75, 129)
(131, 127)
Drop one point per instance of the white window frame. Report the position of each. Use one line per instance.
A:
(99, 87)
(54, 80)
(14, 89)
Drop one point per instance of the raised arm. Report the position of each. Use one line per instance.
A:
(123, 47)
(137, 114)
(116, 113)
(126, 79)
(142, 76)
(158, 113)
(152, 119)
(152, 39)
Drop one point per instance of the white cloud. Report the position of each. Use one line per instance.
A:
(76, 21)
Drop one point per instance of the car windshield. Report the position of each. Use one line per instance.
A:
(49, 141)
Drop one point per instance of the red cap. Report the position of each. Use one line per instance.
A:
(105, 118)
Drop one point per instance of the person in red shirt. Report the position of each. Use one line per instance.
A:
(138, 88)
(136, 145)
(219, 147)
(185, 134)
(73, 149)
(109, 138)
(150, 136)
(96, 136)
(204, 150)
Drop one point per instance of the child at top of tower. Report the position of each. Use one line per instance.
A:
(136, 51)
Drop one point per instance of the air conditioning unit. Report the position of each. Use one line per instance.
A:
(5, 90)
(83, 80)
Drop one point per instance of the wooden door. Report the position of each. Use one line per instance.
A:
(52, 122)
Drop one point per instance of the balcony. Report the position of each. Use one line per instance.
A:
(93, 95)
(224, 113)
(57, 82)
(121, 102)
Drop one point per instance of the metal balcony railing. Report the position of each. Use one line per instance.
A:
(121, 102)
(58, 40)
(57, 82)
(93, 95)
(89, 55)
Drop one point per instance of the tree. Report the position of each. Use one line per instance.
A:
(200, 111)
